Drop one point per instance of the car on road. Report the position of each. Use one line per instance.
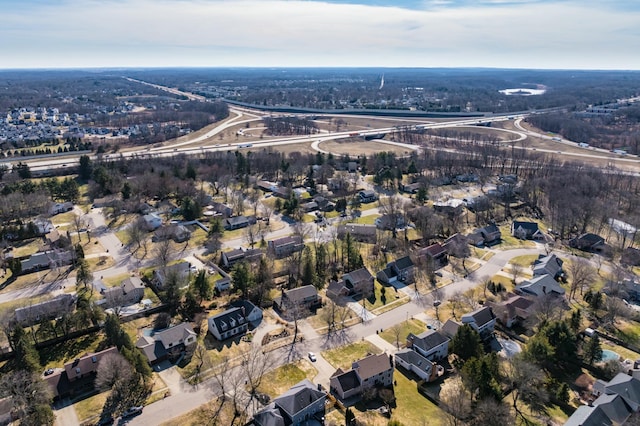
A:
(437, 303)
(132, 411)
(48, 372)
(312, 357)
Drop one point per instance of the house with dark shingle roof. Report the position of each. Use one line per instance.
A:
(230, 323)
(305, 298)
(419, 365)
(166, 344)
(86, 365)
(373, 370)
(235, 222)
(526, 230)
(512, 311)
(401, 269)
(482, 320)
(48, 309)
(587, 242)
(301, 403)
(431, 344)
(359, 281)
(434, 253)
(285, 246)
(587, 415)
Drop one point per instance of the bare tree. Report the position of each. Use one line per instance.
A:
(456, 302)
(489, 412)
(30, 397)
(79, 224)
(397, 330)
(111, 368)
(136, 233)
(393, 211)
(253, 198)
(516, 272)
(457, 402)
(546, 308)
(526, 381)
(267, 212)
(582, 274)
(255, 364)
(251, 235)
(237, 202)
(202, 361)
(163, 253)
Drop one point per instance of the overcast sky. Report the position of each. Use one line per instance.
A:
(582, 34)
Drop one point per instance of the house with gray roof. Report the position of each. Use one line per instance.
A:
(235, 222)
(482, 320)
(303, 298)
(540, 286)
(359, 232)
(550, 265)
(229, 258)
(587, 415)
(431, 344)
(86, 365)
(250, 311)
(49, 309)
(169, 343)
(130, 291)
(526, 230)
(285, 246)
(301, 403)
(368, 372)
(182, 271)
(228, 324)
(49, 259)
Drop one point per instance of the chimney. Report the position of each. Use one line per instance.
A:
(544, 289)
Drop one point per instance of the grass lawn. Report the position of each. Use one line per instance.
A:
(100, 263)
(524, 261)
(278, 381)
(149, 294)
(63, 218)
(58, 355)
(366, 220)
(12, 305)
(506, 282)
(115, 280)
(26, 247)
(510, 241)
(90, 407)
(24, 281)
(411, 326)
(92, 247)
(343, 357)
(376, 300)
(628, 331)
(623, 352)
(413, 408)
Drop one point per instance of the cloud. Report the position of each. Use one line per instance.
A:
(505, 33)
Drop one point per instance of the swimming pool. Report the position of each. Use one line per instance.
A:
(608, 355)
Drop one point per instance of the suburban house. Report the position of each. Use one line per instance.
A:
(224, 281)
(222, 209)
(305, 297)
(301, 403)
(235, 222)
(130, 291)
(57, 208)
(77, 376)
(435, 253)
(431, 344)
(487, 236)
(182, 271)
(391, 221)
(251, 311)
(632, 287)
(512, 311)
(49, 259)
(368, 372)
(43, 226)
(540, 286)
(86, 365)
(587, 242)
(482, 320)
(229, 258)
(548, 265)
(399, 270)
(176, 232)
(283, 247)
(324, 204)
(309, 206)
(367, 196)
(362, 233)
(449, 328)
(152, 221)
(618, 399)
(359, 281)
(169, 343)
(49, 309)
(228, 324)
(411, 188)
(452, 207)
(421, 366)
(526, 230)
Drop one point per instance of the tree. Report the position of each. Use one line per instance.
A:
(23, 170)
(349, 418)
(112, 368)
(79, 224)
(83, 273)
(466, 343)
(136, 233)
(490, 412)
(516, 272)
(190, 209)
(251, 235)
(592, 349)
(481, 376)
(242, 278)
(457, 401)
(392, 208)
(30, 397)
(202, 286)
(26, 356)
(85, 169)
(397, 331)
(526, 381)
(582, 275)
(163, 253)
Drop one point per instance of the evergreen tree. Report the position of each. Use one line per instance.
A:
(466, 343)
(593, 349)
(26, 356)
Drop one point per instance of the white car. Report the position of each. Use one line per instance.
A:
(312, 357)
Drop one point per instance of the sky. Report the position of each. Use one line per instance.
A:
(543, 34)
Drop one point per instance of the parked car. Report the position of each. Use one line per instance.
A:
(132, 411)
(312, 357)
(48, 372)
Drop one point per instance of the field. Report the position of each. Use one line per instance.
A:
(361, 147)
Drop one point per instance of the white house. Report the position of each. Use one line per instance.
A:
(250, 311)
(431, 344)
(482, 320)
(227, 324)
(421, 366)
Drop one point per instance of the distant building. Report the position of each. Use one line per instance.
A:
(305, 298)
(235, 222)
(548, 265)
(540, 286)
(401, 269)
(182, 271)
(419, 365)
(367, 196)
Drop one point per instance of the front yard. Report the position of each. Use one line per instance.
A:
(344, 356)
(402, 330)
